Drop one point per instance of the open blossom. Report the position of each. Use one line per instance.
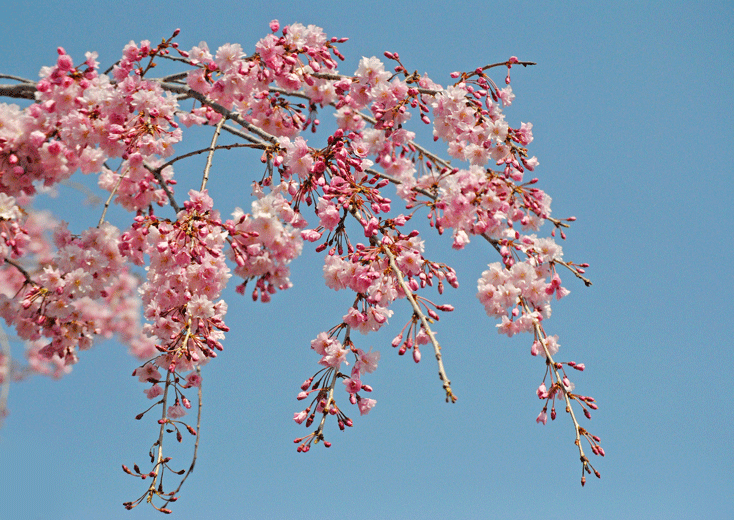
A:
(367, 361)
(200, 307)
(365, 405)
(147, 373)
(176, 411)
(352, 385)
(154, 391)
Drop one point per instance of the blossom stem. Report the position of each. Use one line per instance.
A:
(424, 322)
(158, 468)
(196, 443)
(552, 365)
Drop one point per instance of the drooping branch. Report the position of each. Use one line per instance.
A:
(450, 397)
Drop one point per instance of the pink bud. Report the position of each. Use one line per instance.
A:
(416, 355)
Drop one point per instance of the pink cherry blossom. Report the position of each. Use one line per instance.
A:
(365, 405)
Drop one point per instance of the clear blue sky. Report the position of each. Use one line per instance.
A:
(632, 110)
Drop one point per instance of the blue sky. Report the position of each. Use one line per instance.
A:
(632, 110)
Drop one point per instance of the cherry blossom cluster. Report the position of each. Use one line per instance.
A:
(264, 242)
(336, 196)
(186, 273)
(63, 301)
(324, 383)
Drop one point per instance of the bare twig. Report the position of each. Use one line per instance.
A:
(210, 156)
(109, 199)
(162, 182)
(196, 443)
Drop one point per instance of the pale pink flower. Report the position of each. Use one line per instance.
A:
(365, 405)
(367, 361)
(154, 391)
(193, 380)
(200, 307)
(176, 411)
(148, 372)
(352, 385)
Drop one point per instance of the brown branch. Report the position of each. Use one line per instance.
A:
(21, 91)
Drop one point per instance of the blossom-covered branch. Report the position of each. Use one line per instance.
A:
(127, 128)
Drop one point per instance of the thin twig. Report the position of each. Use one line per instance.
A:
(25, 274)
(161, 181)
(196, 443)
(201, 98)
(424, 322)
(207, 149)
(17, 78)
(112, 194)
(210, 156)
(552, 364)
(160, 468)
(586, 281)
